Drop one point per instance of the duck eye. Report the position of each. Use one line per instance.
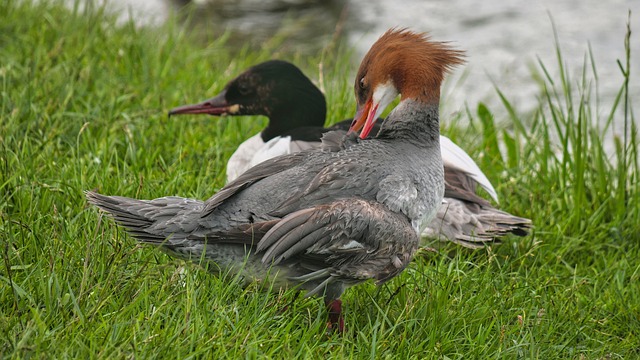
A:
(362, 85)
(243, 89)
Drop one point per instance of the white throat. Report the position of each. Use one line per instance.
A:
(383, 95)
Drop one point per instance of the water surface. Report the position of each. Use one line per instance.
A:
(504, 40)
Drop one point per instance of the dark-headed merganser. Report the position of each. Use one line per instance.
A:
(279, 90)
(296, 110)
(327, 218)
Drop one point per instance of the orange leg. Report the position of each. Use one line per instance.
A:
(336, 321)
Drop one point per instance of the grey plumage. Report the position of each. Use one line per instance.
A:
(327, 218)
(473, 225)
(469, 220)
(322, 220)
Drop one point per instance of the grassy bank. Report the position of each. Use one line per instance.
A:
(83, 106)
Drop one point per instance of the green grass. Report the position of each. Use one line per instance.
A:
(83, 106)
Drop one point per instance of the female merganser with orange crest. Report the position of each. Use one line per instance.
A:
(329, 218)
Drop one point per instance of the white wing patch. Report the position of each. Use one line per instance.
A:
(454, 157)
(254, 151)
(240, 161)
(279, 145)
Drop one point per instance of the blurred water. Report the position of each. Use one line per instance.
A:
(503, 39)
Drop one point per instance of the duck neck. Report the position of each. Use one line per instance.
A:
(413, 121)
(305, 109)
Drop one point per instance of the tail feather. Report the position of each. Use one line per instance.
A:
(149, 221)
(473, 226)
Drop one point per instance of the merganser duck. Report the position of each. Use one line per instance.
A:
(324, 219)
(296, 109)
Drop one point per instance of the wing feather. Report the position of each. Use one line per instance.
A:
(356, 239)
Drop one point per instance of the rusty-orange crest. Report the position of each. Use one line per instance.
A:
(414, 63)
